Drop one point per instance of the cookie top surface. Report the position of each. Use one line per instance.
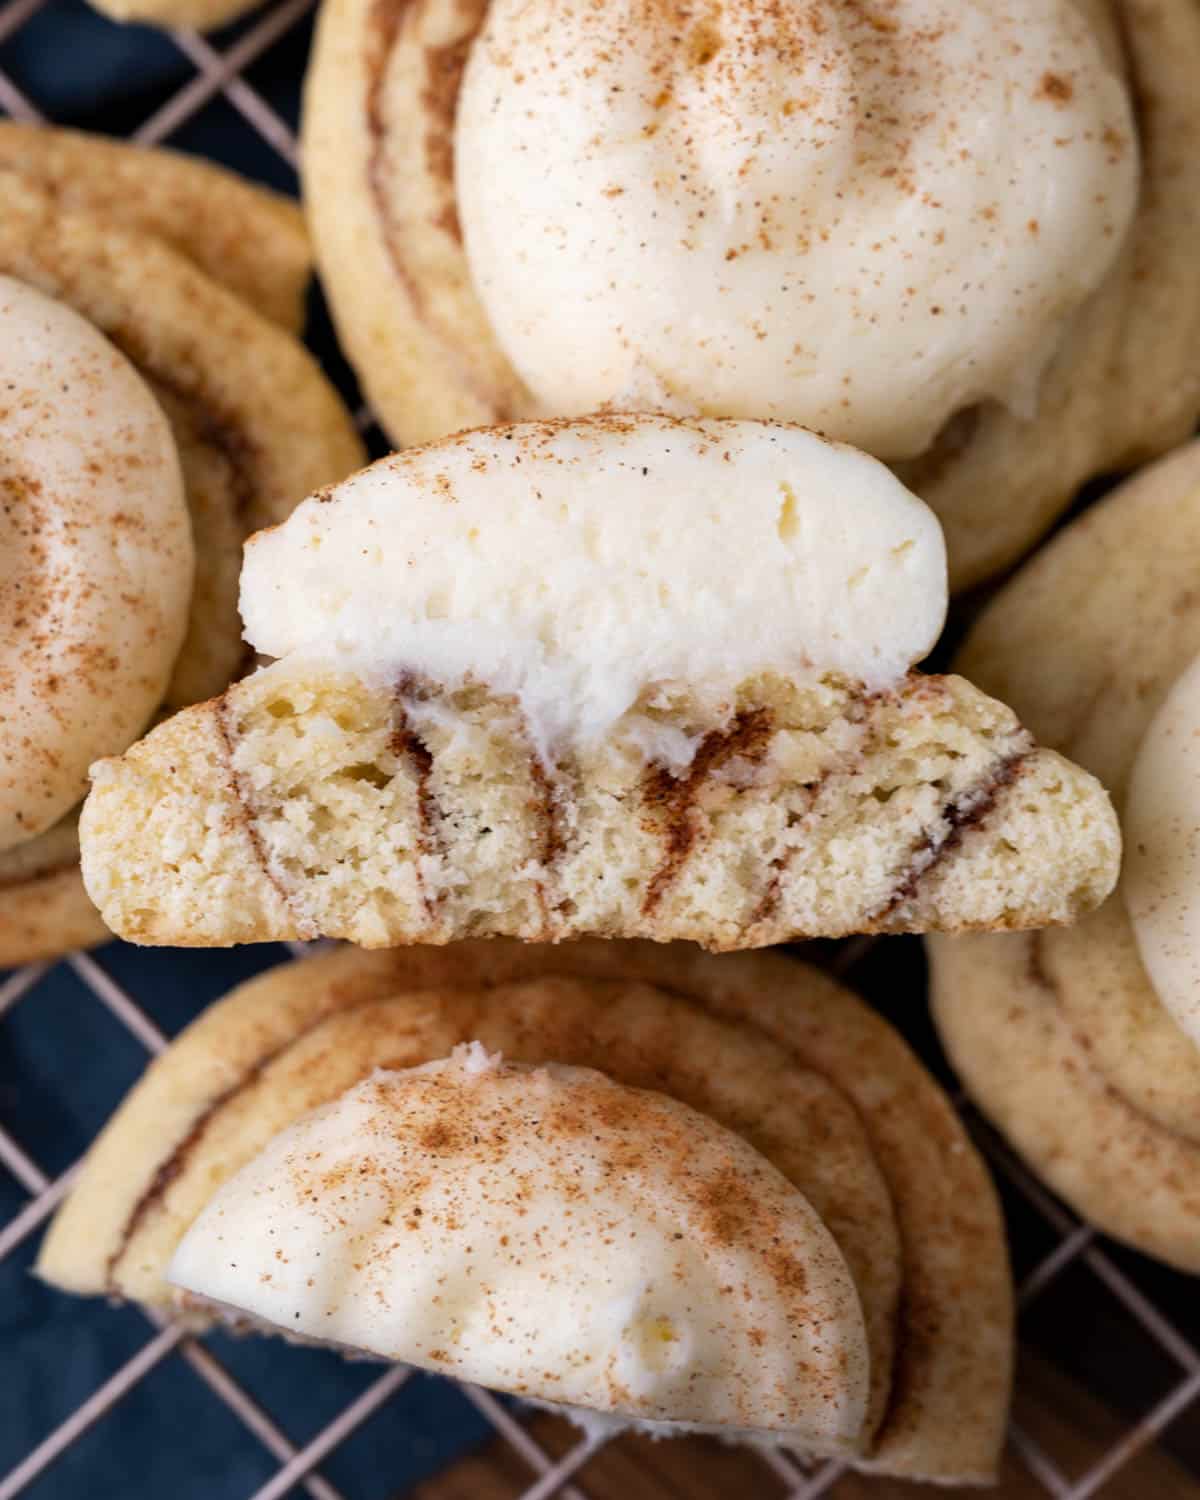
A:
(243, 235)
(551, 1232)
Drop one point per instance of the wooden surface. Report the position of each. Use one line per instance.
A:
(1070, 1426)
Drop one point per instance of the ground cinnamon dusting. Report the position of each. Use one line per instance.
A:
(1056, 88)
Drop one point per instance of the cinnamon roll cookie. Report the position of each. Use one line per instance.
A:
(810, 1250)
(959, 236)
(547, 680)
(1084, 1046)
(251, 240)
(254, 423)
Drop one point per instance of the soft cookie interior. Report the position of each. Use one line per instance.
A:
(384, 814)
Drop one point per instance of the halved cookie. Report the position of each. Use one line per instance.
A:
(307, 801)
(548, 681)
(811, 1079)
(1062, 1037)
(387, 157)
(256, 425)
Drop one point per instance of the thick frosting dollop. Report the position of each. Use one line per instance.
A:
(858, 216)
(575, 565)
(549, 1232)
(1161, 878)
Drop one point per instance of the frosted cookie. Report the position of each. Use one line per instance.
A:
(840, 1139)
(250, 239)
(1084, 1046)
(255, 423)
(97, 557)
(548, 681)
(615, 1224)
(528, 210)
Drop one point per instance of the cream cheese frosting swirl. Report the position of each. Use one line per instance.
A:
(95, 556)
(861, 215)
(550, 1232)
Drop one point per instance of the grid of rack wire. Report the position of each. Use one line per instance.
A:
(220, 72)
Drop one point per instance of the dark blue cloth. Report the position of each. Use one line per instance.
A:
(65, 1061)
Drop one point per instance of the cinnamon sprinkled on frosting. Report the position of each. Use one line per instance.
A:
(817, 210)
(551, 1232)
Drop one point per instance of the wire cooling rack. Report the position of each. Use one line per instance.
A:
(95, 1401)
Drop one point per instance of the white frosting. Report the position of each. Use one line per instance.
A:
(862, 217)
(1161, 879)
(574, 565)
(552, 1233)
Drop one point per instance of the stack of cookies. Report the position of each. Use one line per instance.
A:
(728, 340)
